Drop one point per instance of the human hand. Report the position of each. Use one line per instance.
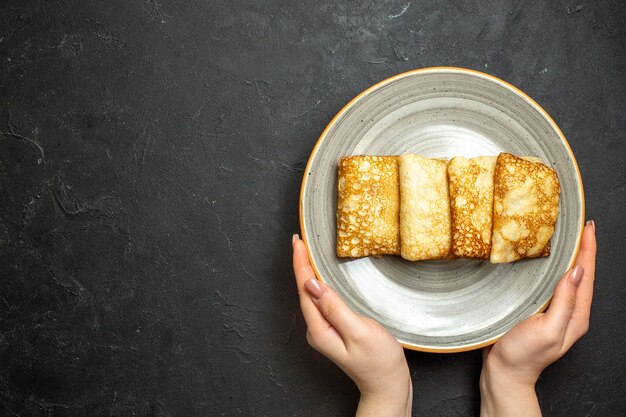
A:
(513, 364)
(360, 346)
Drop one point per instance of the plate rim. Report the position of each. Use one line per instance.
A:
(441, 69)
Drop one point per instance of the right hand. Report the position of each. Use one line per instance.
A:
(513, 364)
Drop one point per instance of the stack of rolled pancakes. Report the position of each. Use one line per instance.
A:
(500, 208)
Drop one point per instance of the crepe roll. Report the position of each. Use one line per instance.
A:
(471, 205)
(425, 209)
(526, 205)
(368, 205)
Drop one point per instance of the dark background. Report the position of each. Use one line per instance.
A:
(151, 154)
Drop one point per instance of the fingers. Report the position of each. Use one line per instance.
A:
(303, 271)
(569, 312)
(587, 251)
(320, 333)
(301, 265)
(334, 310)
(579, 323)
(586, 259)
(564, 301)
(328, 307)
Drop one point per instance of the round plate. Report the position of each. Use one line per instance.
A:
(440, 306)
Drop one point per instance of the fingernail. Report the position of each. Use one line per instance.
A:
(576, 276)
(294, 239)
(592, 224)
(314, 288)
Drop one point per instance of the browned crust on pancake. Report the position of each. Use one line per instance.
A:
(471, 205)
(368, 206)
(526, 200)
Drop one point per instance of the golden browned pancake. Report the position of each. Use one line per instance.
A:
(424, 209)
(526, 205)
(471, 205)
(368, 200)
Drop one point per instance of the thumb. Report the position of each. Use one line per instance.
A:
(332, 307)
(564, 299)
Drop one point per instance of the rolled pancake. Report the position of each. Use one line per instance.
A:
(471, 205)
(425, 210)
(368, 204)
(526, 205)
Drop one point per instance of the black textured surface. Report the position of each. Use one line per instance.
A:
(150, 161)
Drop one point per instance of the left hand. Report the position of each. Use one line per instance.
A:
(360, 346)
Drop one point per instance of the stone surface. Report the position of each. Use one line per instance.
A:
(150, 160)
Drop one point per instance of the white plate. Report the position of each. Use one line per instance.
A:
(440, 306)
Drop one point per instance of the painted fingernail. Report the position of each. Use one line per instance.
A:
(314, 288)
(592, 224)
(576, 276)
(294, 239)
